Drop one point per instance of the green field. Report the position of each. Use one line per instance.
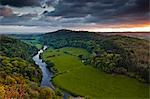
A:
(34, 42)
(84, 80)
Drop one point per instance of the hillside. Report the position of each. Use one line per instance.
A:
(112, 54)
(19, 76)
(15, 48)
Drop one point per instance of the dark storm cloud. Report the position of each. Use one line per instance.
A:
(136, 7)
(14, 19)
(102, 9)
(73, 12)
(20, 3)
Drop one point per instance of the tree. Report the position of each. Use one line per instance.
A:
(107, 61)
(46, 93)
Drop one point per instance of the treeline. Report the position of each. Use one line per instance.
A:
(19, 76)
(112, 54)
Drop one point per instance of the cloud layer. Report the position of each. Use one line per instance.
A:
(74, 13)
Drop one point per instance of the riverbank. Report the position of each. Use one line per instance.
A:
(47, 74)
(84, 80)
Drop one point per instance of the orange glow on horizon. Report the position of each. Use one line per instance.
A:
(139, 29)
(119, 28)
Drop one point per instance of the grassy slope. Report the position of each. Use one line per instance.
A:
(31, 39)
(84, 80)
(34, 42)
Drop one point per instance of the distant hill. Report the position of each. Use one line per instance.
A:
(141, 35)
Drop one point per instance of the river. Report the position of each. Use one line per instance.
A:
(46, 74)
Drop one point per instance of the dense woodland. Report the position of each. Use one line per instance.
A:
(19, 76)
(112, 54)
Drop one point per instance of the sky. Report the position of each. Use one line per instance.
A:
(39, 16)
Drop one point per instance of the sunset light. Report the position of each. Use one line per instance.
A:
(74, 49)
(132, 29)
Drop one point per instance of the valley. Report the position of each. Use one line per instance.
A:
(78, 64)
(74, 49)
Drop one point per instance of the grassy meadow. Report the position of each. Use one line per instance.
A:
(34, 42)
(84, 80)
